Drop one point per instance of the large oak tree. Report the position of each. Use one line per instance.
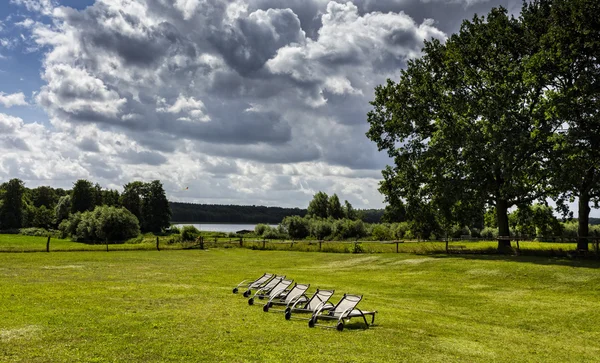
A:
(465, 123)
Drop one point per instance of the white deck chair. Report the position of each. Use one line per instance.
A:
(343, 311)
(297, 293)
(277, 291)
(253, 284)
(320, 300)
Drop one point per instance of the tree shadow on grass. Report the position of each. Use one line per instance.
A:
(526, 256)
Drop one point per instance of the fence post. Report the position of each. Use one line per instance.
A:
(264, 243)
(241, 241)
(106, 245)
(397, 246)
(157, 248)
(320, 241)
(201, 242)
(48, 245)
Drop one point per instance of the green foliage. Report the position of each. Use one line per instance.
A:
(189, 233)
(334, 207)
(100, 225)
(62, 209)
(319, 205)
(11, 211)
(82, 196)
(259, 229)
(44, 196)
(155, 208)
(349, 229)
(296, 227)
(273, 233)
(349, 211)
(382, 232)
(41, 217)
(320, 228)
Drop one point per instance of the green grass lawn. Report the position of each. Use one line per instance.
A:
(177, 306)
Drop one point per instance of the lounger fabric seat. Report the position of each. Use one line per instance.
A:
(320, 300)
(297, 293)
(254, 284)
(344, 310)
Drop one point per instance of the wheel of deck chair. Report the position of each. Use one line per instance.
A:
(266, 308)
(251, 301)
(246, 293)
(288, 314)
(340, 326)
(311, 323)
(261, 297)
(235, 290)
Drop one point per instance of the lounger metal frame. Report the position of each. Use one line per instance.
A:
(280, 289)
(320, 300)
(295, 294)
(349, 311)
(265, 278)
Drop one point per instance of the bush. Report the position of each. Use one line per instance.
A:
(296, 227)
(320, 229)
(102, 224)
(260, 229)
(174, 230)
(189, 233)
(272, 233)
(490, 233)
(382, 232)
(37, 232)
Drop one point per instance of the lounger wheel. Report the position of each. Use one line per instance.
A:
(246, 293)
(340, 326)
(288, 314)
(251, 301)
(311, 323)
(261, 297)
(266, 308)
(235, 290)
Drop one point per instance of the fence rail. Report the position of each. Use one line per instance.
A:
(470, 245)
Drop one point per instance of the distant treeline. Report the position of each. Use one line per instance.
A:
(215, 213)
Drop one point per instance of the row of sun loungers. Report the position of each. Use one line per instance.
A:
(276, 290)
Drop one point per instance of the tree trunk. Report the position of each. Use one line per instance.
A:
(503, 230)
(584, 219)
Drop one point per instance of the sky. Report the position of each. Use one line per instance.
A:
(255, 102)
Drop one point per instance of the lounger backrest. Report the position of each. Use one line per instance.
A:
(298, 290)
(280, 287)
(261, 280)
(319, 298)
(271, 284)
(348, 302)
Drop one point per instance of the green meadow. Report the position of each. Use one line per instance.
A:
(177, 306)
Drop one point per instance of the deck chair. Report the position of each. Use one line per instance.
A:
(320, 300)
(267, 286)
(276, 291)
(344, 310)
(297, 293)
(253, 284)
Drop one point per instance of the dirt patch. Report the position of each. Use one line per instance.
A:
(26, 332)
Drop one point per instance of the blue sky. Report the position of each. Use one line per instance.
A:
(243, 102)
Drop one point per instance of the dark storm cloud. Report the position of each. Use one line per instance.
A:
(272, 81)
(250, 42)
(143, 157)
(89, 144)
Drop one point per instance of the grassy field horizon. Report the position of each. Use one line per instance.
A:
(177, 306)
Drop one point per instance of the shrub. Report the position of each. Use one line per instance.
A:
(382, 232)
(296, 227)
(272, 233)
(490, 233)
(320, 229)
(189, 233)
(102, 224)
(260, 229)
(174, 230)
(37, 232)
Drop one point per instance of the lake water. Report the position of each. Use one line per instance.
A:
(217, 227)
